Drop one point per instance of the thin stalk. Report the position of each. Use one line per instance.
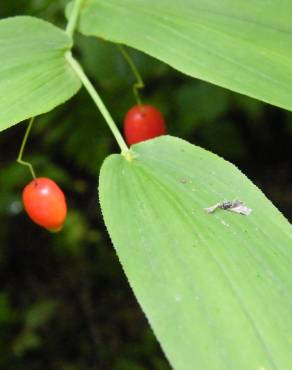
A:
(71, 25)
(19, 158)
(140, 83)
(98, 101)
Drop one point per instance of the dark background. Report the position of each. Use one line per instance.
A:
(65, 303)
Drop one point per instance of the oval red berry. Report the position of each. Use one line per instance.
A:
(45, 203)
(143, 122)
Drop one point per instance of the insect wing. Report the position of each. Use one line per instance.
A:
(241, 209)
(212, 209)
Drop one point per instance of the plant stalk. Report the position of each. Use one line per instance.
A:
(71, 25)
(98, 101)
(19, 158)
(140, 83)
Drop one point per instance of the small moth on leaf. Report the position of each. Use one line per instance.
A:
(236, 206)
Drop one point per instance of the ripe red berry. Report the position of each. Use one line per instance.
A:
(143, 122)
(45, 203)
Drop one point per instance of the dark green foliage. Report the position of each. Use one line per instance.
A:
(64, 301)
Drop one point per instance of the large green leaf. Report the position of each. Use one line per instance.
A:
(34, 74)
(242, 45)
(216, 288)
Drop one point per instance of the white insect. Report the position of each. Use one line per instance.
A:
(236, 206)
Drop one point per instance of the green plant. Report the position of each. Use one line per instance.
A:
(215, 287)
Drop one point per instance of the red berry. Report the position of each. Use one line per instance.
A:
(45, 203)
(143, 122)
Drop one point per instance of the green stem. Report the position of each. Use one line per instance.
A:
(73, 17)
(97, 100)
(140, 83)
(19, 158)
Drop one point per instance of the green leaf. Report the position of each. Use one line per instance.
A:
(34, 74)
(216, 288)
(7, 314)
(243, 46)
(40, 313)
(26, 341)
